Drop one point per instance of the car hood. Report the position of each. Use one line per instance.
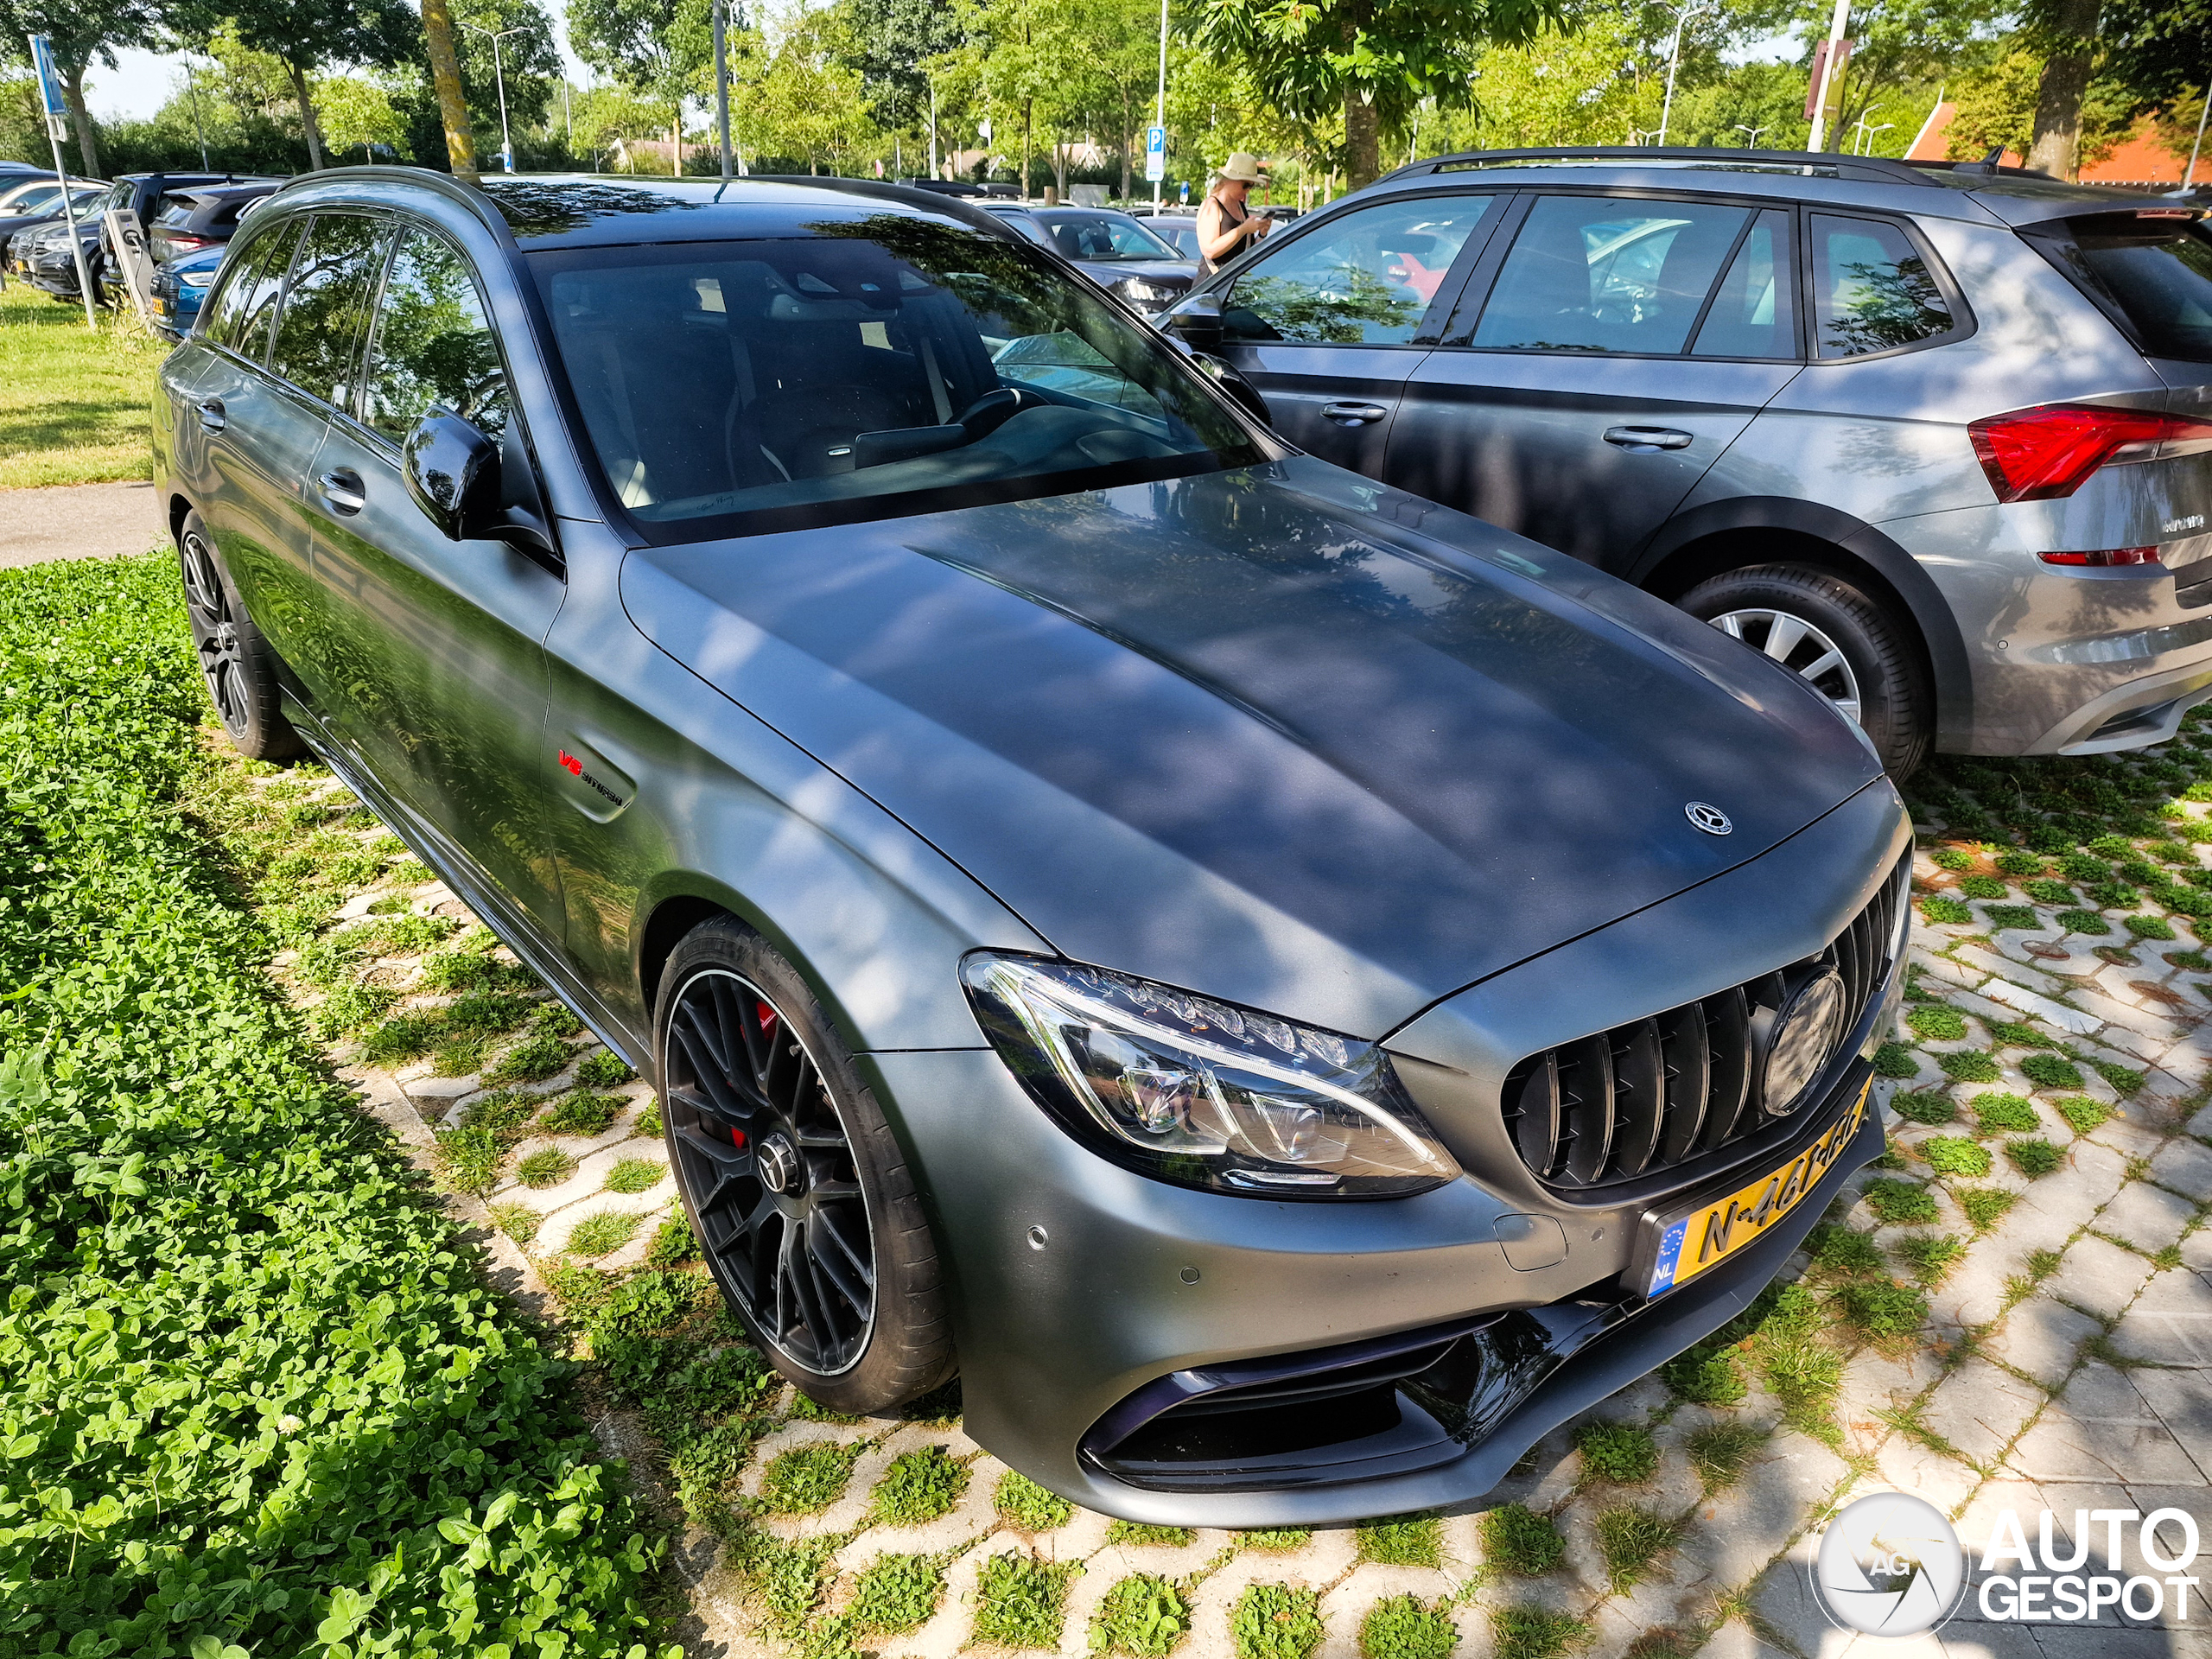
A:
(1153, 271)
(1277, 735)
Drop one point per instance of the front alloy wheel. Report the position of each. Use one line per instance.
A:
(1847, 644)
(797, 1190)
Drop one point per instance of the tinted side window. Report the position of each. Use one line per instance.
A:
(433, 343)
(2159, 276)
(1606, 274)
(1872, 291)
(1364, 278)
(325, 305)
(242, 311)
(1754, 314)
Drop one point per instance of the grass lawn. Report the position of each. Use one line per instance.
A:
(72, 404)
(256, 1397)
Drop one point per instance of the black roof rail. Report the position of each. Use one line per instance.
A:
(1873, 169)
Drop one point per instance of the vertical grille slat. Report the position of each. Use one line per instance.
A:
(1677, 1085)
(1690, 1074)
(1586, 1082)
(1639, 1097)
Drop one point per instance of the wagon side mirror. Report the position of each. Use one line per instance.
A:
(1197, 322)
(453, 473)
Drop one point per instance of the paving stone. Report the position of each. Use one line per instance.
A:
(2098, 1277)
(437, 1093)
(1974, 1292)
(2185, 1166)
(2043, 1337)
(2147, 1216)
(1977, 1523)
(1907, 1464)
(2100, 1429)
(2183, 1404)
(1736, 1532)
(2171, 1324)
(2057, 1015)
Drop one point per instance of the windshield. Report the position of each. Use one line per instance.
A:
(1103, 235)
(880, 367)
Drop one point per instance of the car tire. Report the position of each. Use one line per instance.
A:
(795, 1188)
(235, 659)
(1852, 647)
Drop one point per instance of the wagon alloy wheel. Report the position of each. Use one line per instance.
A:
(770, 1165)
(237, 662)
(1800, 647)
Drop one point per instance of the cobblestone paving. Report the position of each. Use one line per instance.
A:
(2014, 1310)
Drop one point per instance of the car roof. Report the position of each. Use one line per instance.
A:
(1977, 190)
(540, 212)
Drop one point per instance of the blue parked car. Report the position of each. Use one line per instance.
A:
(180, 285)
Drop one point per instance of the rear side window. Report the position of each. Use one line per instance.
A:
(176, 210)
(1364, 278)
(1608, 274)
(319, 336)
(2155, 273)
(1872, 288)
(239, 316)
(434, 344)
(1754, 314)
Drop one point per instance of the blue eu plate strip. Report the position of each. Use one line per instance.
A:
(1670, 1256)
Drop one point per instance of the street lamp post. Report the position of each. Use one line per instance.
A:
(1867, 134)
(1682, 16)
(1752, 143)
(500, 75)
(721, 88)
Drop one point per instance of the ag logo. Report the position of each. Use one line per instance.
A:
(1890, 1565)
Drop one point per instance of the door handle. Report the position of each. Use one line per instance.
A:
(1645, 439)
(343, 489)
(211, 414)
(1353, 414)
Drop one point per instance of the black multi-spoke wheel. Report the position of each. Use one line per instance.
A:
(240, 667)
(795, 1187)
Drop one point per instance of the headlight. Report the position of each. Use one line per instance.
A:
(195, 278)
(1201, 1094)
(1136, 287)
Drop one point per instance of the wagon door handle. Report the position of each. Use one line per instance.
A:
(343, 489)
(1353, 414)
(211, 414)
(1637, 439)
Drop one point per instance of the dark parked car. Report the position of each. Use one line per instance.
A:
(1112, 249)
(180, 286)
(1935, 437)
(1295, 992)
(27, 205)
(190, 220)
(48, 260)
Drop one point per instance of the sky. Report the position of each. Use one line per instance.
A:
(142, 81)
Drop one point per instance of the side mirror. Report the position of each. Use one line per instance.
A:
(453, 473)
(1223, 374)
(1197, 322)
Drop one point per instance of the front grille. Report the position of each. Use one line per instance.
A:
(1673, 1087)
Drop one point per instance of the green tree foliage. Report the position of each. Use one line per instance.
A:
(1373, 60)
(304, 35)
(83, 32)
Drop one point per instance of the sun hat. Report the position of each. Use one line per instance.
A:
(1244, 167)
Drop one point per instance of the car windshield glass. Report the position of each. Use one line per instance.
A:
(2162, 282)
(881, 366)
(1104, 236)
(30, 199)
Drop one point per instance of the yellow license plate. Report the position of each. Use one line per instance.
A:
(1710, 1234)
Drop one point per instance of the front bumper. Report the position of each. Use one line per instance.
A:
(1077, 1285)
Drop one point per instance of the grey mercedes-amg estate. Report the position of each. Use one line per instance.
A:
(1291, 990)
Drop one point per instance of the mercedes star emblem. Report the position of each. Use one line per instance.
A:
(1707, 817)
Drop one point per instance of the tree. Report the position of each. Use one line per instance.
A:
(356, 113)
(656, 49)
(2067, 30)
(890, 41)
(305, 35)
(80, 32)
(1375, 59)
(445, 77)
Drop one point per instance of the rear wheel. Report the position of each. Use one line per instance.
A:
(795, 1188)
(236, 661)
(1845, 644)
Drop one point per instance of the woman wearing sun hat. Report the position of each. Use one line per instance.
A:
(1225, 226)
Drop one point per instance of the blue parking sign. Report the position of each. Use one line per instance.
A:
(49, 77)
(1155, 153)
